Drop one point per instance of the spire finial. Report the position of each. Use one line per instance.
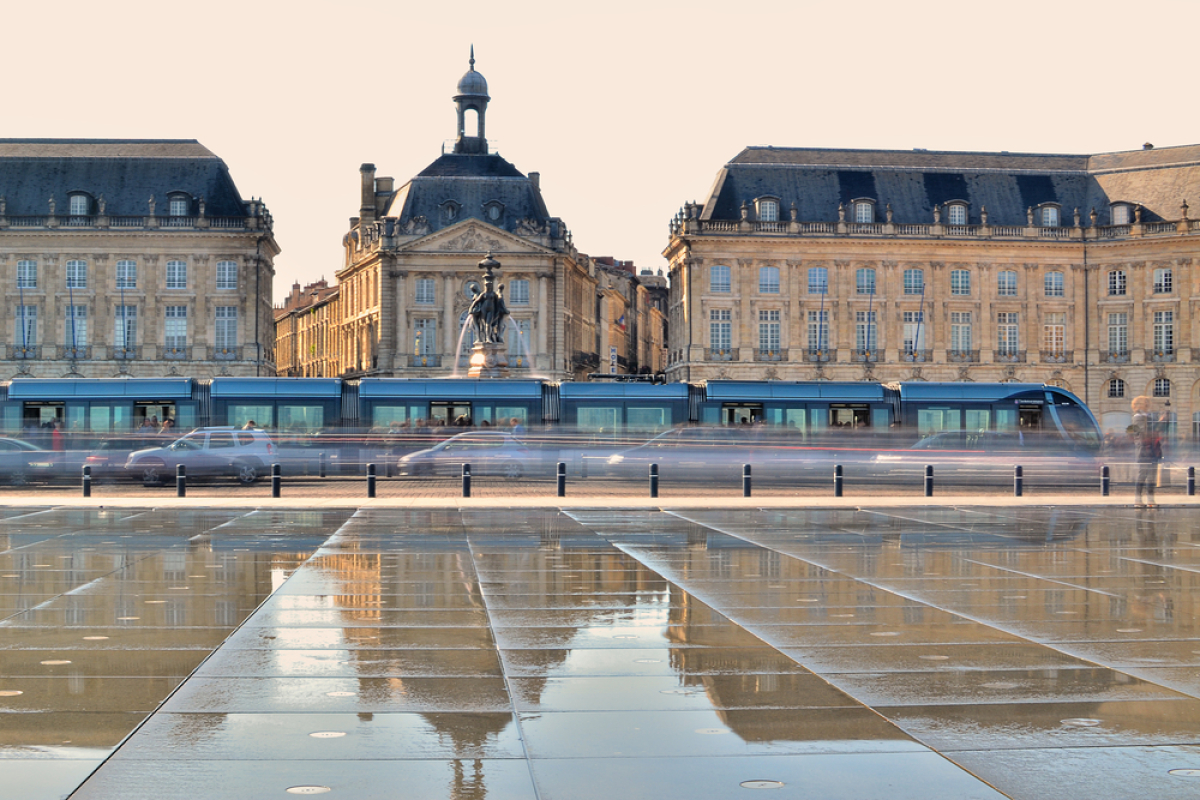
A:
(472, 58)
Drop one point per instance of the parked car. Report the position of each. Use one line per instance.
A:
(22, 462)
(488, 453)
(107, 459)
(206, 452)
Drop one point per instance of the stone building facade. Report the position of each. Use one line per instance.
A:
(1076, 270)
(305, 345)
(131, 257)
(630, 319)
(411, 265)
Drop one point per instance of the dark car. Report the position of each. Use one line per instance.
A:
(22, 463)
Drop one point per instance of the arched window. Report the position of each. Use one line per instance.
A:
(1116, 283)
(1054, 284)
(718, 278)
(1162, 387)
(1116, 388)
(768, 280)
(818, 280)
(1119, 213)
(768, 210)
(864, 281)
(864, 211)
(1006, 283)
(956, 214)
(1050, 216)
(914, 281)
(79, 205)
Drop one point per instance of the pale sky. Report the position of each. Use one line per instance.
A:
(627, 109)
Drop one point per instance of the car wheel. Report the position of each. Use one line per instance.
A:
(19, 477)
(151, 476)
(247, 473)
(512, 469)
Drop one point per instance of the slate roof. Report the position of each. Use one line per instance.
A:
(471, 181)
(125, 171)
(913, 181)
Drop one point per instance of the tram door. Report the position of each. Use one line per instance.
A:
(741, 413)
(849, 415)
(156, 413)
(1029, 416)
(446, 413)
(39, 416)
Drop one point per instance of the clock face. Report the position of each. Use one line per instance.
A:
(471, 289)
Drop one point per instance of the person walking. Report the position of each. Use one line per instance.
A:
(1147, 452)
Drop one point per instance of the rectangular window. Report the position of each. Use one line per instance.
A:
(1050, 217)
(914, 281)
(865, 333)
(914, 331)
(176, 275)
(126, 274)
(768, 280)
(177, 207)
(1006, 283)
(518, 338)
(26, 274)
(78, 205)
(818, 280)
(1164, 332)
(768, 211)
(226, 332)
(864, 212)
(125, 327)
(960, 282)
(818, 330)
(227, 275)
(718, 278)
(960, 331)
(518, 292)
(425, 291)
(76, 332)
(1054, 284)
(864, 281)
(175, 328)
(76, 274)
(424, 337)
(720, 329)
(1163, 282)
(957, 214)
(1116, 283)
(1054, 329)
(768, 330)
(1118, 333)
(1007, 341)
(26, 326)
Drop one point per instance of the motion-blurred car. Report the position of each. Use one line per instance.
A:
(107, 459)
(718, 452)
(206, 452)
(989, 456)
(22, 463)
(488, 453)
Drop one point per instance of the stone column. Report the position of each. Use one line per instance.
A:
(450, 335)
(542, 357)
(605, 333)
(400, 357)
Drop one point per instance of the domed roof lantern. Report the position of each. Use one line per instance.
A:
(472, 96)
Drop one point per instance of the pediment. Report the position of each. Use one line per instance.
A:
(471, 236)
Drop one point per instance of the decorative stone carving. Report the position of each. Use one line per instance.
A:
(416, 226)
(472, 241)
(964, 373)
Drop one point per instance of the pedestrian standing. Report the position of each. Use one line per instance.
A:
(1147, 452)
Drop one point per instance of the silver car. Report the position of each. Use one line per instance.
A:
(488, 453)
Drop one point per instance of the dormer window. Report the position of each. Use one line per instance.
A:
(79, 205)
(1050, 216)
(450, 210)
(493, 211)
(767, 209)
(177, 207)
(1120, 214)
(864, 211)
(956, 213)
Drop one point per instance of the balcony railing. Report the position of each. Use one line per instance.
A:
(96, 221)
(429, 360)
(21, 352)
(715, 354)
(817, 356)
(1056, 356)
(916, 355)
(225, 353)
(80, 353)
(963, 356)
(1008, 356)
(126, 353)
(770, 355)
(175, 353)
(1162, 356)
(868, 355)
(1114, 356)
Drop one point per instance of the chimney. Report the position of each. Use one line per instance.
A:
(1147, 146)
(536, 179)
(367, 210)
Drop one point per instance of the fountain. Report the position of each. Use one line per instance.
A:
(487, 314)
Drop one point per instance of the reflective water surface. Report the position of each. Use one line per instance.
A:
(915, 653)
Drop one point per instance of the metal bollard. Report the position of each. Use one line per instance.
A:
(1018, 480)
(370, 480)
(180, 480)
(1191, 481)
(1105, 480)
(562, 479)
(745, 480)
(929, 480)
(87, 480)
(276, 480)
(654, 480)
(321, 462)
(837, 480)
(466, 480)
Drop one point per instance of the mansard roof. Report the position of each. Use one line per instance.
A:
(471, 182)
(125, 171)
(913, 181)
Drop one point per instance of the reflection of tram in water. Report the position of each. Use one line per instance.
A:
(631, 409)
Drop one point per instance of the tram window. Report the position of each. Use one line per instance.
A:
(932, 420)
(185, 416)
(384, 416)
(261, 416)
(448, 413)
(881, 419)
(1006, 419)
(598, 420)
(648, 420)
(506, 414)
(978, 419)
(1077, 425)
(1031, 418)
(12, 417)
(301, 419)
(848, 417)
(818, 420)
